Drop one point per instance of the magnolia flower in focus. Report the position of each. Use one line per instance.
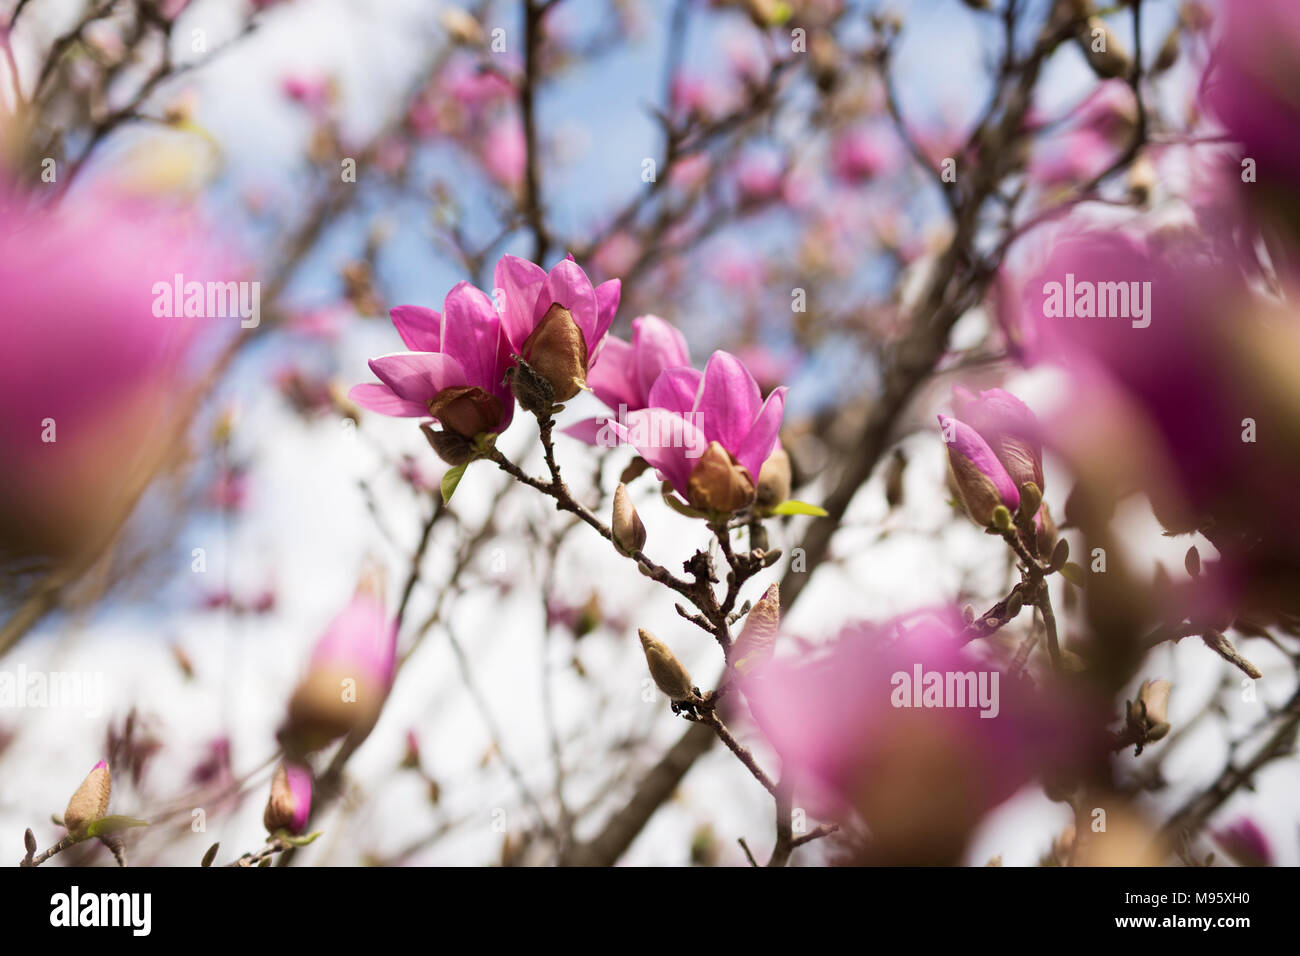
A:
(554, 322)
(707, 434)
(349, 675)
(455, 372)
(289, 805)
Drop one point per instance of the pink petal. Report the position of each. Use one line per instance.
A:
(568, 285)
(380, 398)
(519, 282)
(760, 441)
(729, 402)
(418, 376)
(670, 443)
(587, 430)
(612, 376)
(419, 327)
(676, 389)
(607, 298)
(658, 346)
(470, 331)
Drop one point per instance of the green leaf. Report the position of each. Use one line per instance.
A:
(1073, 573)
(672, 501)
(450, 480)
(300, 840)
(793, 507)
(106, 825)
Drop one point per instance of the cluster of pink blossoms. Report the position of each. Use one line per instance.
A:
(546, 338)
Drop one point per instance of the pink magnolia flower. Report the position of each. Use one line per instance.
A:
(455, 371)
(309, 90)
(900, 725)
(91, 374)
(707, 433)
(504, 151)
(554, 321)
(349, 675)
(1252, 89)
(289, 806)
(858, 156)
(1245, 842)
(1008, 426)
(624, 372)
(982, 481)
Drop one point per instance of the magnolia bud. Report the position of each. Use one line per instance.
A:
(1002, 519)
(1102, 50)
(461, 26)
(719, 482)
(774, 479)
(452, 448)
(668, 673)
(1154, 695)
(757, 639)
(1030, 499)
(557, 352)
(629, 532)
(289, 805)
(1168, 54)
(90, 802)
(466, 410)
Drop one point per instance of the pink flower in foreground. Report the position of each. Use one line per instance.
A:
(624, 372)
(1245, 843)
(91, 379)
(455, 372)
(707, 433)
(350, 672)
(899, 724)
(554, 321)
(289, 805)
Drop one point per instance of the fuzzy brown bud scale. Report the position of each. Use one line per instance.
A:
(667, 671)
(90, 802)
(556, 352)
(719, 483)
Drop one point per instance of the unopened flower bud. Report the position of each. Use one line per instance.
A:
(557, 352)
(466, 410)
(1030, 500)
(719, 482)
(289, 805)
(1102, 50)
(757, 640)
(90, 802)
(461, 27)
(452, 448)
(668, 673)
(1002, 519)
(1154, 695)
(629, 532)
(774, 479)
